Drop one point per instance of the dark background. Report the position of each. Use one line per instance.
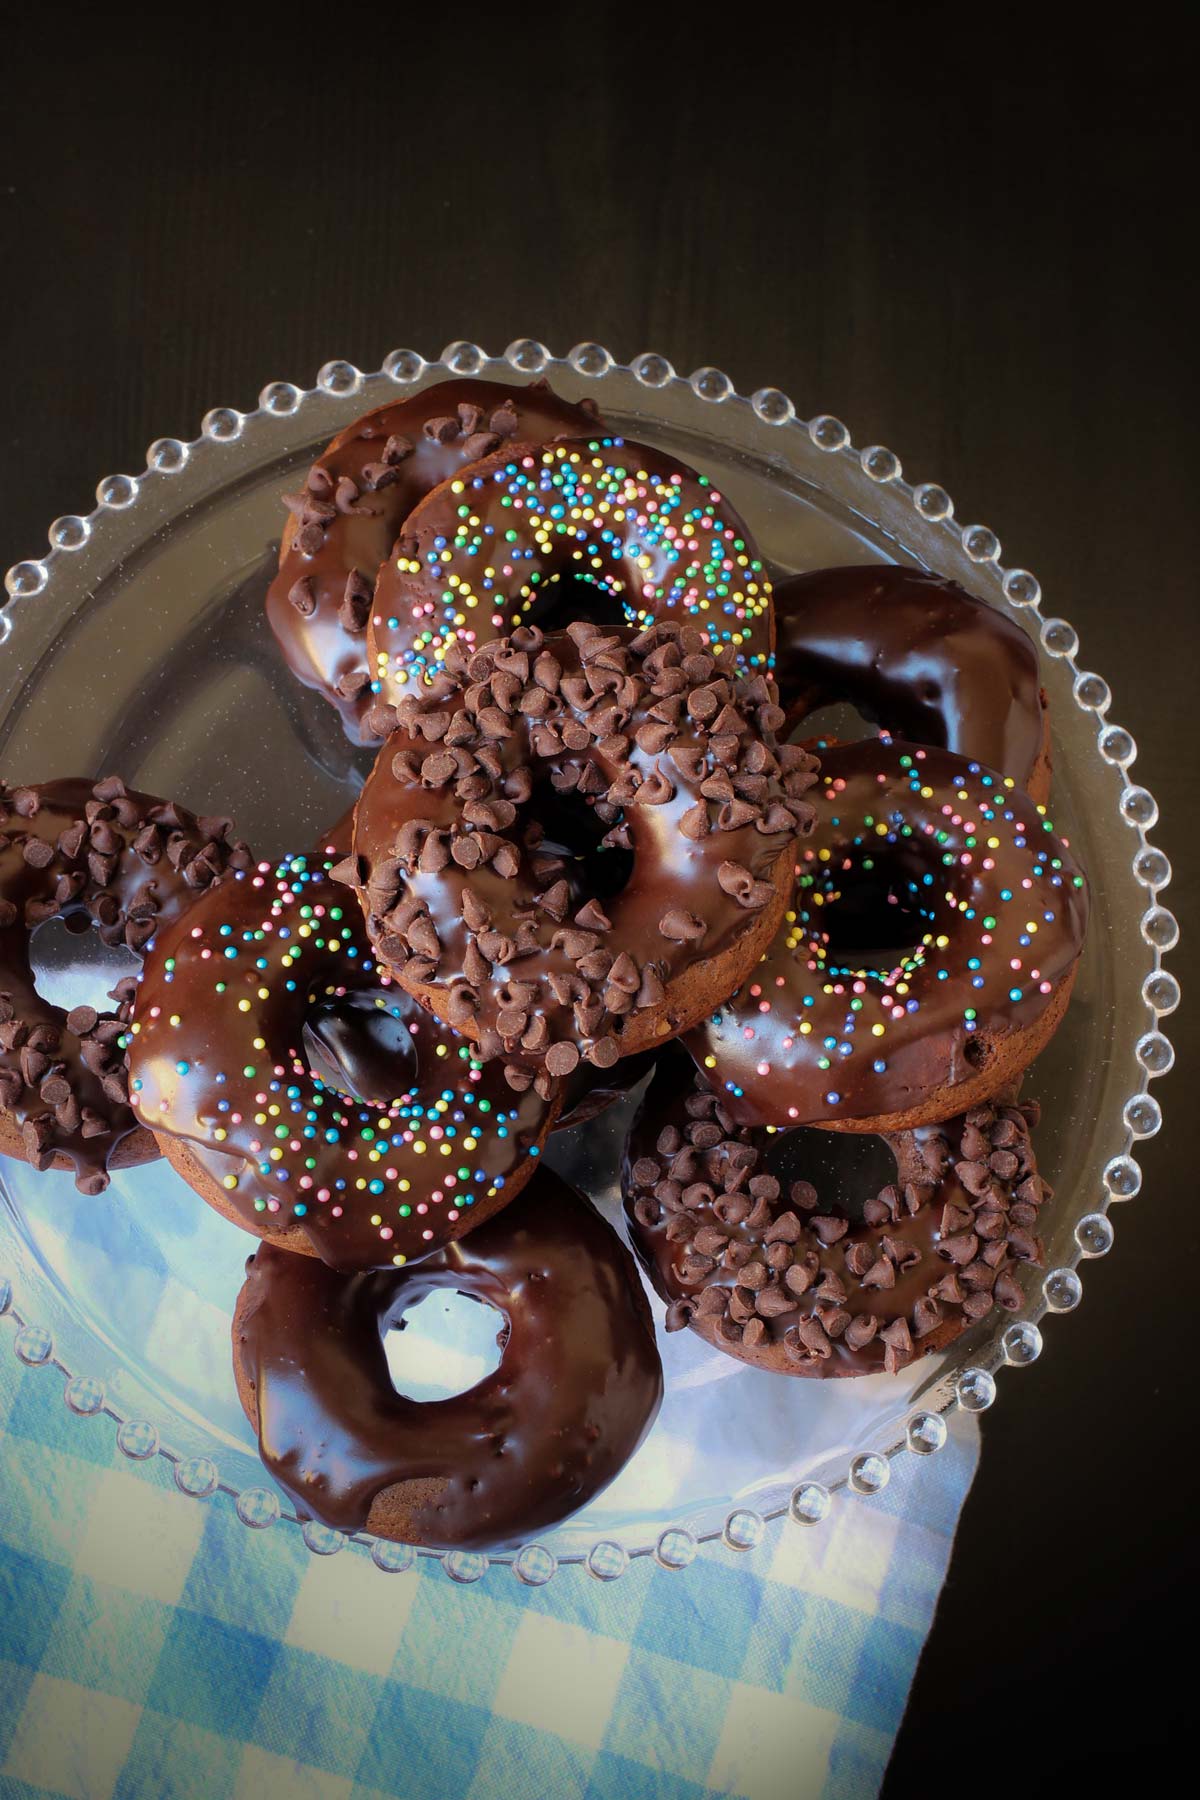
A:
(973, 247)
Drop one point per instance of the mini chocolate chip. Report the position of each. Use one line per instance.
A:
(303, 596)
(562, 1058)
(681, 927)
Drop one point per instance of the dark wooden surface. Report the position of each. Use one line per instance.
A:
(973, 250)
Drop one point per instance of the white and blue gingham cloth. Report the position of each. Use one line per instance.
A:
(153, 1648)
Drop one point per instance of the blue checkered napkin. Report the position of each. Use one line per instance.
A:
(153, 1648)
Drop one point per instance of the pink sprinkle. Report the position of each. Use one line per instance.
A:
(335, 1212)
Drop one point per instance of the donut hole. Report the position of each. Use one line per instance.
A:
(360, 1045)
(873, 916)
(565, 598)
(72, 966)
(445, 1344)
(568, 828)
(847, 1168)
(834, 722)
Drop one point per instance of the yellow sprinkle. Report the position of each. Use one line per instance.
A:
(243, 1006)
(229, 1181)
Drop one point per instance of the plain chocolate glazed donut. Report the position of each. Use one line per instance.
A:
(577, 1388)
(921, 658)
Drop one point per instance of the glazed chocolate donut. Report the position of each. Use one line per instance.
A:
(484, 552)
(936, 927)
(920, 657)
(467, 836)
(744, 1250)
(355, 499)
(305, 1098)
(578, 1385)
(129, 864)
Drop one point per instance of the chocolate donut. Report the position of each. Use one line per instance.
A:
(354, 500)
(936, 926)
(578, 1385)
(128, 864)
(920, 657)
(488, 887)
(744, 1249)
(304, 1097)
(486, 550)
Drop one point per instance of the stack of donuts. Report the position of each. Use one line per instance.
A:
(603, 839)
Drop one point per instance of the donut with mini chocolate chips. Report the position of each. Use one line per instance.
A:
(488, 887)
(577, 1388)
(304, 1096)
(928, 956)
(128, 864)
(745, 1251)
(487, 550)
(355, 498)
(921, 658)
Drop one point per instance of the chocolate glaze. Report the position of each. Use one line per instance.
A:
(577, 1388)
(745, 1250)
(591, 1091)
(444, 427)
(915, 654)
(798, 1045)
(366, 1185)
(130, 865)
(484, 553)
(677, 761)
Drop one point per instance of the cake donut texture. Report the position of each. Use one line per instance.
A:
(761, 1264)
(355, 498)
(485, 552)
(128, 864)
(257, 1027)
(921, 658)
(579, 843)
(578, 1385)
(928, 956)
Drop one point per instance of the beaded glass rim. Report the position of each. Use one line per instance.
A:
(974, 1388)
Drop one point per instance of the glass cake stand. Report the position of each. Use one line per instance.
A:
(137, 645)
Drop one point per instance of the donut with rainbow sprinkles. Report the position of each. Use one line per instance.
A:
(223, 1068)
(928, 955)
(523, 533)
